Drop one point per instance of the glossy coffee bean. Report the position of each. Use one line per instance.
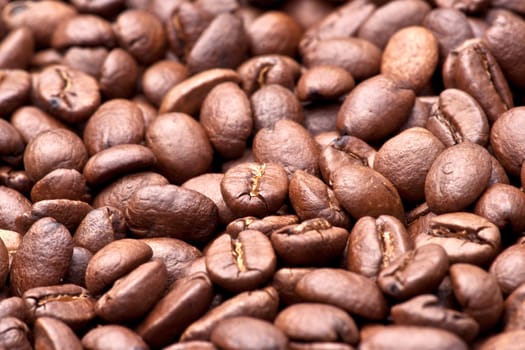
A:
(30, 121)
(14, 89)
(118, 74)
(265, 225)
(273, 102)
(52, 332)
(161, 76)
(17, 48)
(507, 141)
(71, 32)
(100, 227)
(506, 268)
(105, 337)
(77, 268)
(324, 82)
(13, 205)
(243, 263)
(60, 183)
(274, 33)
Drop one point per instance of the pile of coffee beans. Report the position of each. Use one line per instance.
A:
(262, 174)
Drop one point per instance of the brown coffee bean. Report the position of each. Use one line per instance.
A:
(228, 125)
(40, 17)
(43, 256)
(14, 334)
(141, 34)
(114, 261)
(68, 303)
(348, 290)
(324, 82)
(187, 96)
(268, 69)
(405, 160)
(497, 173)
(72, 32)
(17, 48)
(285, 280)
(365, 192)
(78, 265)
(425, 310)
(160, 77)
(511, 340)
(507, 140)
(478, 293)
(374, 109)
(359, 57)
(466, 237)
(50, 332)
(506, 268)
(85, 59)
(11, 144)
(311, 322)
(457, 177)
(272, 103)
(473, 61)
(375, 243)
(289, 144)
(420, 113)
(255, 189)
(469, 6)
(414, 272)
(169, 210)
(274, 32)
(60, 183)
(262, 304)
(415, 47)
(30, 121)
(118, 193)
(513, 313)
(105, 337)
(66, 93)
(65, 211)
(14, 307)
(240, 333)
(18, 180)
(243, 263)
(192, 345)
(4, 264)
(504, 206)
(309, 12)
(104, 8)
(176, 140)
(46, 57)
(12, 206)
(187, 300)
(412, 338)
(118, 74)
(312, 242)
(11, 240)
(15, 86)
(457, 117)
(265, 225)
(141, 289)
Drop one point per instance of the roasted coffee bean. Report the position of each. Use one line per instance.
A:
(106, 337)
(177, 140)
(272, 103)
(274, 32)
(312, 242)
(406, 159)
(12, 206)
(359, 57)
(71, 32)
(375, 109)
(18, 180)
(375, 243)
(268, 69)
(173, 211)
(4, 263)
(473, 61)
(192, 345)
(507, 141)
(43, 256)
(60, 183)
(478, 294)
(50, 332)
(11, 144)
(504, 206)
(497, 173)
(311, 198)
(14, 307)
(414, 272)
(311, 322)
(243, 263)
(511, 340)
(160, 77)
(114, 261)
(118, 74)
(425, 310)
(15, 86)
(466, 237)
(289, 144)
(420, 113)
(350, 291)
(247, 333)
(66, 93)
(65, 211)
(506, 268)
(415, 47)
(324, 82)
(78, 265)
(16, 49)
(262, 304)
(457, 117)
(412, 338)
(68, 303)
(352, 184)
(285, 280)
(265, 225)
(54, 149)
(513, 313)
(30, 121)
(255, 189)
(188, 299)
(457, 177)
(228, 125)
(320, 121)
(104, 8)
(469, 6)
(14, 334)
(12, 241)
(142, 288)
(86, 59)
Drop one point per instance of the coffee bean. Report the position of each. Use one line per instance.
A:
(192, 345)
(238, 333)
(12, 205)
(15, 87)
(511, 340)
(272, 103)
(105, 337)
(274, 33)
(85, 59)
(507, 141)
(348, 290)
(29, 121)
(425, 310)
(104, 8)
(100, 227)
(160, 77)
(16, 49)
(14, 334)
(77, 268)
(320, 121)
(466, 237)
(60, 183)
(265, 225)
(52, 332)
(243, 263)
(65, 211)
(71, 32)
(324, 82)
(414, 272)
(285, 280)
(478, 293)
(262, 304)
(11, 145)
(118, 74)
(14, 307)
(505, 268)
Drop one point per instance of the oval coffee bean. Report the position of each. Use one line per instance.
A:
(272, 103)
(243, 263)
(324, 82)
(52, 332)
(14, 334)
(511, 340)
(507, 141)
(105, 337)
(506, 268)
(513, 313)
(274, 33)
(60, 183)
(118, 74)
(13, 205)
(160, 77)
